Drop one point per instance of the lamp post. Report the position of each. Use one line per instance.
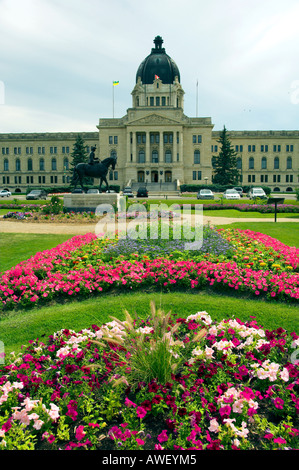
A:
(206, 179)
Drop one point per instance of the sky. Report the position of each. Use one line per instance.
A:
(238, 60)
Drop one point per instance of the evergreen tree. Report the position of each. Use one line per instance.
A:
(225, 164)
(79, 155)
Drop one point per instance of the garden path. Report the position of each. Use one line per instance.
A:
(80, 229)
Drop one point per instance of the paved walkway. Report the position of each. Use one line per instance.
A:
(80, 229)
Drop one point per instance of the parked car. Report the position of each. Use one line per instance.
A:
(205, 194)
(128, 191)
(231, 194)
(239, 190)
(257, 193)
(5, 193)
(142, 192)
(37, 194)
(78, 191)
(93, 191)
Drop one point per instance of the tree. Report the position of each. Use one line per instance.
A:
(79, 155)
(225, 164)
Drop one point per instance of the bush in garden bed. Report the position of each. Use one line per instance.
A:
(226, 385)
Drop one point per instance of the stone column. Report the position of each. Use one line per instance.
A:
(147, 147)
(175, 147)
(161, 149)
(134, 147)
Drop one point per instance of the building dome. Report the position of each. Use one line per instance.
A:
(158, 64)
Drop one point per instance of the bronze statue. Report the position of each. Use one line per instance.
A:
(92, 160)
(95, 170)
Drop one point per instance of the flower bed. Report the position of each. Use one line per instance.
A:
(203, 386)
(237, 260)
(18, 215)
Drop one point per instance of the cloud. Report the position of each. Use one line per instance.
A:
(59, 58)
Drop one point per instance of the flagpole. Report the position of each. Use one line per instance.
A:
(113, 100)
(197, 98)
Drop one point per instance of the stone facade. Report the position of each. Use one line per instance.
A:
(155, 143)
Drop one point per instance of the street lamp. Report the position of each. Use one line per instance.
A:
(206, 179)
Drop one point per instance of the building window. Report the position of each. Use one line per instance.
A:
(152, 101)
(29, 150)
(196, 139)
(196, 156)
(5, 150)
(6, 165)
(290, 148)
(53, 150)
(251, 163)
(214, 148)
(264, 163)
(155, 156)
(163, 101)
(18, 164)
(41, 150)
(276, 148)
(251, 148)
(168, 156)
(29, 164)
(264, 148)
(289, 163)
(141, 156)
(65, 150)
(66, 164)
(276, 163)
(17, 150)
(214, 159)
(41, 164)
(54, 164)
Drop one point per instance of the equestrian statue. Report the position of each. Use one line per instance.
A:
(94, 169)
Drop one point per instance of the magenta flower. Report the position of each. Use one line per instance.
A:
(278, 403)
(80, 434)
(163, 436)
(141, 412)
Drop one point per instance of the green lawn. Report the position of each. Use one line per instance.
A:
(17, 328)
(286, 232)
(17, 247)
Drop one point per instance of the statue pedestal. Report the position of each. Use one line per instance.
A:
(90, 202)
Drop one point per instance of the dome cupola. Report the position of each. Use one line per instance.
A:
(158, 64)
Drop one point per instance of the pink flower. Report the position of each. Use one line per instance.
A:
(80, 434)
(278, 402)
(163, 436)
(141, 412)
(140, 442)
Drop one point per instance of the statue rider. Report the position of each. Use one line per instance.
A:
(92, 160)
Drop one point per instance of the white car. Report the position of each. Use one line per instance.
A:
(257, 193)
(5, 193)
(231, 194)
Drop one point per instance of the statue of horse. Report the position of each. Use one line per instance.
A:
(97, 170)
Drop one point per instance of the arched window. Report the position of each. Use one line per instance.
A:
(6, 165)
(54, 164)
(141, 156)
(168, 156)
(276, 163)
(264, 163)
(66, 164)
(239, 163)
(41, 164)
(251, 163)
(289, 163)
(155, 156)
(196, 156)
(18, 164)
(29, 164)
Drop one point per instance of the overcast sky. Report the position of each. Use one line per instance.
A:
(58, 59)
